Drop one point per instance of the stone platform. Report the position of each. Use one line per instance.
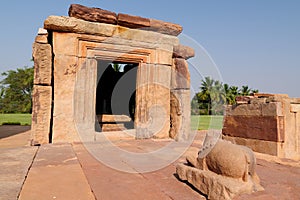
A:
(69, 171)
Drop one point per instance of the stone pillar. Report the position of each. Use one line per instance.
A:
(152, 111)
(42, 90)
(180, 93)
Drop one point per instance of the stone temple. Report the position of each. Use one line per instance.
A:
(102, 71)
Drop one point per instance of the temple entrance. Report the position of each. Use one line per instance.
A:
(115, 95)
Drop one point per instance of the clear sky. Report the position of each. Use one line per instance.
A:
(253, 42)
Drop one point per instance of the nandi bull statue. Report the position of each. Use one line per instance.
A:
(221, 170)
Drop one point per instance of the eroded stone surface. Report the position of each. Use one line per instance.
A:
(41, 114)
(71, 24)
(219, 176)
(92, 14)
(180, 74)
(42, 56)
(165, 27)
(181, 51)
(131, 21)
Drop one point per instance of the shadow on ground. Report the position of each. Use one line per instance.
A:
(10, 130)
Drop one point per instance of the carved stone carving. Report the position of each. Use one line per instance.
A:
(221, 170)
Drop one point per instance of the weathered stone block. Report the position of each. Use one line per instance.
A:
(42, 56)
(295, 108)
(185, 52)
(92, 14)
(243, 99)
(41, 114)
(113, 118)
(180, 74)
(131, 21)
(145, 36)
(43, 39)
(268, 128)
(180, 113)
(245, 110)
(71, 24)
(272, 109)
(213, 185)
(165, 27)
(258, 100)
(261, 146)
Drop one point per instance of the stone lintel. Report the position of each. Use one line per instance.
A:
(130, 21)
(92, 14)
(71, 24)
(181, 51)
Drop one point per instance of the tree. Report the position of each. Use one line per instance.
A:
(214, 95)
(15, 91)
(245, 90)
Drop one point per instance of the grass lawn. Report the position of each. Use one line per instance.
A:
(198, 122)
(206, 122)
(24, 119)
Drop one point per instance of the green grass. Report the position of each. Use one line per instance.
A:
(198, 122)
(206, 122)
(23, 119)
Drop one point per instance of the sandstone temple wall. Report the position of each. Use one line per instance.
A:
(66, 54)
(267, 123)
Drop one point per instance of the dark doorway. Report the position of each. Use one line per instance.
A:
(116, 94)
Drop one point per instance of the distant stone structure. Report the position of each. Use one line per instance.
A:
(73, 55)
(267, 123)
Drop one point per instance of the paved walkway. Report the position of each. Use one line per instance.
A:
(69, 171)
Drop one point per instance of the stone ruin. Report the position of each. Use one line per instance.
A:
(267, 123)
(75, 81)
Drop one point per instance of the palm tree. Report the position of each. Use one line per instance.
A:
(205, 96)
(253, 91)
(245, 90)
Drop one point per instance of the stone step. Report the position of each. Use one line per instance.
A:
(113, 118)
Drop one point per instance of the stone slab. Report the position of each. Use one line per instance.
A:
(185, 52)
(42, 39)
(14, 166)
(165, 27)
(56, 174)
(213, 185)
(267, 128)
(131, 21)
(113, 118)
(113, 127)
(244, 110)
(71, 24)
(295, 108)
(92, 14)
(261, 146)
(108, 183)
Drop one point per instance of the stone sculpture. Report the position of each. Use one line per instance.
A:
(221, 170)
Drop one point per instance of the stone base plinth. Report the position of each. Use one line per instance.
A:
(213, 185)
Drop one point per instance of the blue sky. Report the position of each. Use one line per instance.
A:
(254, 42)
